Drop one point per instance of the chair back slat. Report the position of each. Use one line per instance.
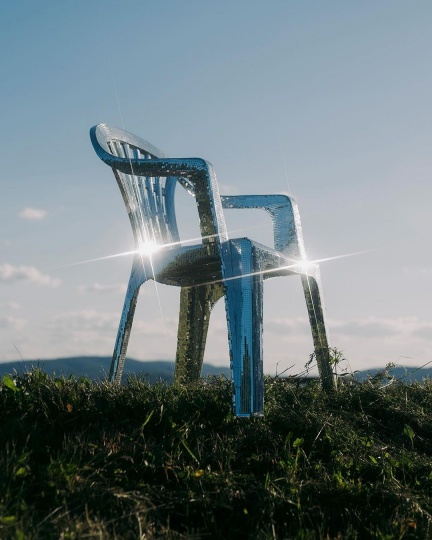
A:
(148, 200)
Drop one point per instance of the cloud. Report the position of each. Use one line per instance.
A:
(418, 271)
(102, 288)
(401, 333)
(87, 329)
(288, 326)
(93, 332)
(86, 320)
(33, 214)
(12, 323)
(29, 274)
(398, 328)
(424, 332)
(368, 328)
(88, 323)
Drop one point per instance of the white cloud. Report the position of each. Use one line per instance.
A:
(398, 328)
(289, 326)
(93, 332)
(368, 328)
(88, 321)
(32, 214)
(418, 271)
(424, 332)
(12, 323)
(30, 274)
(102, 288)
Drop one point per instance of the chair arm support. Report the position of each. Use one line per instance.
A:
(287, 231)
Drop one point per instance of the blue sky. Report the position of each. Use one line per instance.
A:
(329, 101)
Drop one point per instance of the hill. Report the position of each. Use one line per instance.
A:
(97, 368)
(407, 375)
(94, 460)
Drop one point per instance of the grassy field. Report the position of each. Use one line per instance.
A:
(90, 460)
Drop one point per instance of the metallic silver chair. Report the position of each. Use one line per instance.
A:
(219, 266)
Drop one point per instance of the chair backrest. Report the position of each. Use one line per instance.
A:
(149, 200)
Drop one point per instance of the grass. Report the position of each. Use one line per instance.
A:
(91, 460)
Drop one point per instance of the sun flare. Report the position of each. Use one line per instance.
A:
(147, 249)
(305, 266)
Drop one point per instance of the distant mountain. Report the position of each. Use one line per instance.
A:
(408, 374)
(97, 368)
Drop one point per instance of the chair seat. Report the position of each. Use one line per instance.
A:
(187, 266)
(200, 264)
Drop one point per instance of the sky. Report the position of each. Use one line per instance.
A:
(329, 102)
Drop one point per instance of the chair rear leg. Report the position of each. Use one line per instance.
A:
(243, 300)
(311, 288)
(196, 304)
(125, 326)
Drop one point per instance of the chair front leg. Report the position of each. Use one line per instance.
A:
(243, 285)
(311, 288)
(196, 304)
(119, 354)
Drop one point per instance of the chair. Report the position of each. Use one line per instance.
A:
(219, 266)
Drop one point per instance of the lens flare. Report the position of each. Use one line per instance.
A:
(146, 249)
(304, 266)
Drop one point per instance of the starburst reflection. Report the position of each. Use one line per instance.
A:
(148, 248)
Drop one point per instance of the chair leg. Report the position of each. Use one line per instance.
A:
(196, 304)
(311, 288)
(243, 285)
(118, 359)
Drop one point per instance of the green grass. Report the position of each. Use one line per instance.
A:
(91, 460)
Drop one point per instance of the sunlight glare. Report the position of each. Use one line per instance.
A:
(305, 266)
(148, 248)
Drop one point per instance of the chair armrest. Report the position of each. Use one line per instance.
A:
(287, 231)
(197, 176)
